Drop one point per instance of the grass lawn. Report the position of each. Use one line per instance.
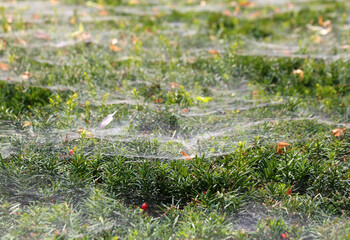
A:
(230, 119)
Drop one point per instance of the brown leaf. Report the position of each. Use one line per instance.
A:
(289, 192)
(84, 36)
(26, 124)
(213, 51)
(339, 132)
(174, 85)
(113, 47)
(25, 75)
(4, 66)
(227, 13)
(21, 41)
(281, 146)
(299, 72)
(186, 156)
(324, 23)
(103, 13)
(245, 3)
(42, 36)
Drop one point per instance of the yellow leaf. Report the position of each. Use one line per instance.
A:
(281, 146)
(26, 124)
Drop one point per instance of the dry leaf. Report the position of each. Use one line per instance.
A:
(299, 72)
(281, 146)
(26, 124)
(186, 156)
(190, 60)
(255, 14)
(42, 36)
(316, 39)
(174, 85)
(338, 132)
(4, 66)
(320, 30)
(84, 36)
(103, 13)
(324, 23)
(213, 51)
(113, 47)
(227, 13)
(36, 16)
(21, 41)
(25, 75)
(289, 192)
(245, 4)
(134, 2)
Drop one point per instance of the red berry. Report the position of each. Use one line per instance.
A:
(71, 152)
(284, 235)
(144, 206)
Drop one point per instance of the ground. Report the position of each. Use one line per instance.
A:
(230, 121)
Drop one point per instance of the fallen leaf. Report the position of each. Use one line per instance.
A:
(338, 132)
(255, 14)
(103, 13)
(174, 85)
(54, 2)
(320, 30)
(324, 23)
(21, 41)
(289, 192)
(4, 66)
(227, 13)
(26, 124)
(25, 75)
(213, 51)
(245, 3)
(186, 156)
(36, 16)
(316, 39)
(281, 146)
(299, 72)
(84, 36)
(42, 36)
(113, 47)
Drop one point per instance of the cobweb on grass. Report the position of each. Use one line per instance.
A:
(155, 131)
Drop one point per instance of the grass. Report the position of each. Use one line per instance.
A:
(204, 94)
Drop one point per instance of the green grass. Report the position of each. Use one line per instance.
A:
(203, 96)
